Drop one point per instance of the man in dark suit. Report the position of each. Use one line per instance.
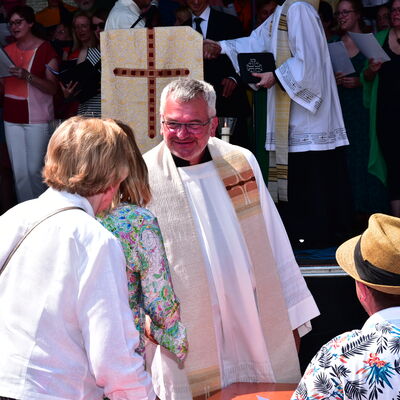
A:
(219, 72)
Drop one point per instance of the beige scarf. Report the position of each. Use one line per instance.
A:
(278, 159)
(189, 276)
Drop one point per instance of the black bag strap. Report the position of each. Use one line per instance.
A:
(140, 17)
(31, 229)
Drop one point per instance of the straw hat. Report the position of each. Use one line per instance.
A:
(373, 258)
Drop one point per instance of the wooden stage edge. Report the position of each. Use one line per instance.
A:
(250, 391)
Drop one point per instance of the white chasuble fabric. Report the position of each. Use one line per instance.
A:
(136, 66)
(241, 350)
(316, 121)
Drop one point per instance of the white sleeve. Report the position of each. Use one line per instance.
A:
(255, 43)
(300, 303)
(106, 321)
(302, 74)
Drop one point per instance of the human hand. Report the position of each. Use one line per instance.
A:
(339, 78)
(267, 79)
(69, 89)
(351, 82)
(211, 49)
(147, 330)
(374, 66)
(19, 72)
(228, 86)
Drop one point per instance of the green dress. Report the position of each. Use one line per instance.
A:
(369, 193)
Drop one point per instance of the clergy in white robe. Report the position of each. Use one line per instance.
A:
(232, 266)
(315, 123)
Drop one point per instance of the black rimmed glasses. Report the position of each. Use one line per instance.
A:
(191, 127)
(343, 13)
(16, 22)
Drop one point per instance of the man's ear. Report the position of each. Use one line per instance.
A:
(214, 126)
(362, 291)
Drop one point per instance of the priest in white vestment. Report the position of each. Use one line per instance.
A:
(314, 127)
(241, 291)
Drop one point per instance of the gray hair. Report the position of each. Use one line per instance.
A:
(186, 89)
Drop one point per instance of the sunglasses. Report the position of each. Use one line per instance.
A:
(100, 25)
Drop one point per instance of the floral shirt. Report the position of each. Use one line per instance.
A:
(361, 364)
(149, 280)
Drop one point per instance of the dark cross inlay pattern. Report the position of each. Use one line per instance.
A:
(151, 73)
(242, 182)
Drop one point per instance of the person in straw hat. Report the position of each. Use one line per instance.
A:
(364, 364)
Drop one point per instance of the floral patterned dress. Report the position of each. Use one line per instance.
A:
(359, 365)
(149, 279)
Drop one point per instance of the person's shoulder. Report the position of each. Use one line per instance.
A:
(125, 216)
(343, 338)
(302, 6)
(152, 153)
(131, 210)
(69, 7)
(45, 46)
(233, 147)
(10, 46)
(87, 231)
(381, 35)
(339, 345)
(20, 213)
(122, 4)
(188, 22)
(47, 50)
(224, 17)
(42, 13)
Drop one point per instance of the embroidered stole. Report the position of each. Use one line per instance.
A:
(278, 159)
(189, 275)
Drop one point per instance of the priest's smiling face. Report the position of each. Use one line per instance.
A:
(187, 141)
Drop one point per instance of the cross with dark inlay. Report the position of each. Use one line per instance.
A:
(151, 73)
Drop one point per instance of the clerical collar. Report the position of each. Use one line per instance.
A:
(183, 163)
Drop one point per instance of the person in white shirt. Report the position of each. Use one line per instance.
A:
(243, 299)
(305, 132)
(66, 329)
(125, 13)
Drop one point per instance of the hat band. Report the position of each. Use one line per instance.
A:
(369, 273)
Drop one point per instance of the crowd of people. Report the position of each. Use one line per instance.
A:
(368, 104)
(106, 314)
(358, 179)
(172, 275)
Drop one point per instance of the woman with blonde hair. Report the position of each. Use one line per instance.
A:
(84, 38)
(153, 302)
(66, 328)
